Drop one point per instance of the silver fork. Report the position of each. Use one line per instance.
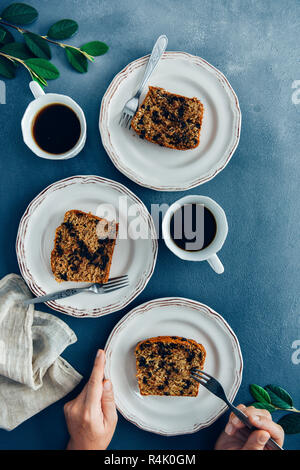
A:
(110, 286)
(131, 106)
(216, 388)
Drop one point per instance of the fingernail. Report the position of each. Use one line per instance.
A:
(99, 353)
(235, 421)
(228, 429)
(107, 385)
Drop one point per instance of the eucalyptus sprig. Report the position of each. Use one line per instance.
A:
(35, 53)
(274, 398)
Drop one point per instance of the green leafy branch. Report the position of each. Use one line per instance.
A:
(274, 398)
(35, 53)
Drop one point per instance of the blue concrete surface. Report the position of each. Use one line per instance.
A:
(254, 44)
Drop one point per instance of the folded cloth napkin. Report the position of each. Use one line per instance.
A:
(32, 373)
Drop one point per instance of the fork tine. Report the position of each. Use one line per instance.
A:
(198, 380)
(199, 371)
(118, 278)
(128, 120)
(203, 379)
(122, 118)
(120, 286)
(116, 282)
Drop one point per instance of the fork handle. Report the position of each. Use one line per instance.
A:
(157, 51)
(244, 418)
(54, 296)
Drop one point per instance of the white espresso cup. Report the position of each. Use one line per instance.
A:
(41, 100)
(209, 252)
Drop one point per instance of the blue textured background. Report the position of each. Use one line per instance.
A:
(254, 44)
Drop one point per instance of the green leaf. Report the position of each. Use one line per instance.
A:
(2, 35)
(17, 49)
(95, 48)
(264, 406)
(290, 423)
(19, 13)
(43, 67)
(63, 29)
(8, 37)
(279, 397)
(7, 68)
(259, 394)
(77, 60)
(38, 46)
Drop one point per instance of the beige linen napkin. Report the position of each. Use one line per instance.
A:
(32, 373)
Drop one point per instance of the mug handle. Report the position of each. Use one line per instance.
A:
(36, 89)
(216, 264)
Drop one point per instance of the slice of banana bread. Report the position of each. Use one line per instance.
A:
(83, 248)
(164, 365)
(169, 120)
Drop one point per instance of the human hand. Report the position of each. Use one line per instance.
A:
(236, 436)
(92, 417)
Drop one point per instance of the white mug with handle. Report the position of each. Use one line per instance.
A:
(42, 100)
(208, 253)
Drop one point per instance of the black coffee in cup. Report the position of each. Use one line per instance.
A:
(56, 128)
(193, 227)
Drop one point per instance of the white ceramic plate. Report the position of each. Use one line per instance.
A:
(135, 257)
(165, 169)
(176, 317)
